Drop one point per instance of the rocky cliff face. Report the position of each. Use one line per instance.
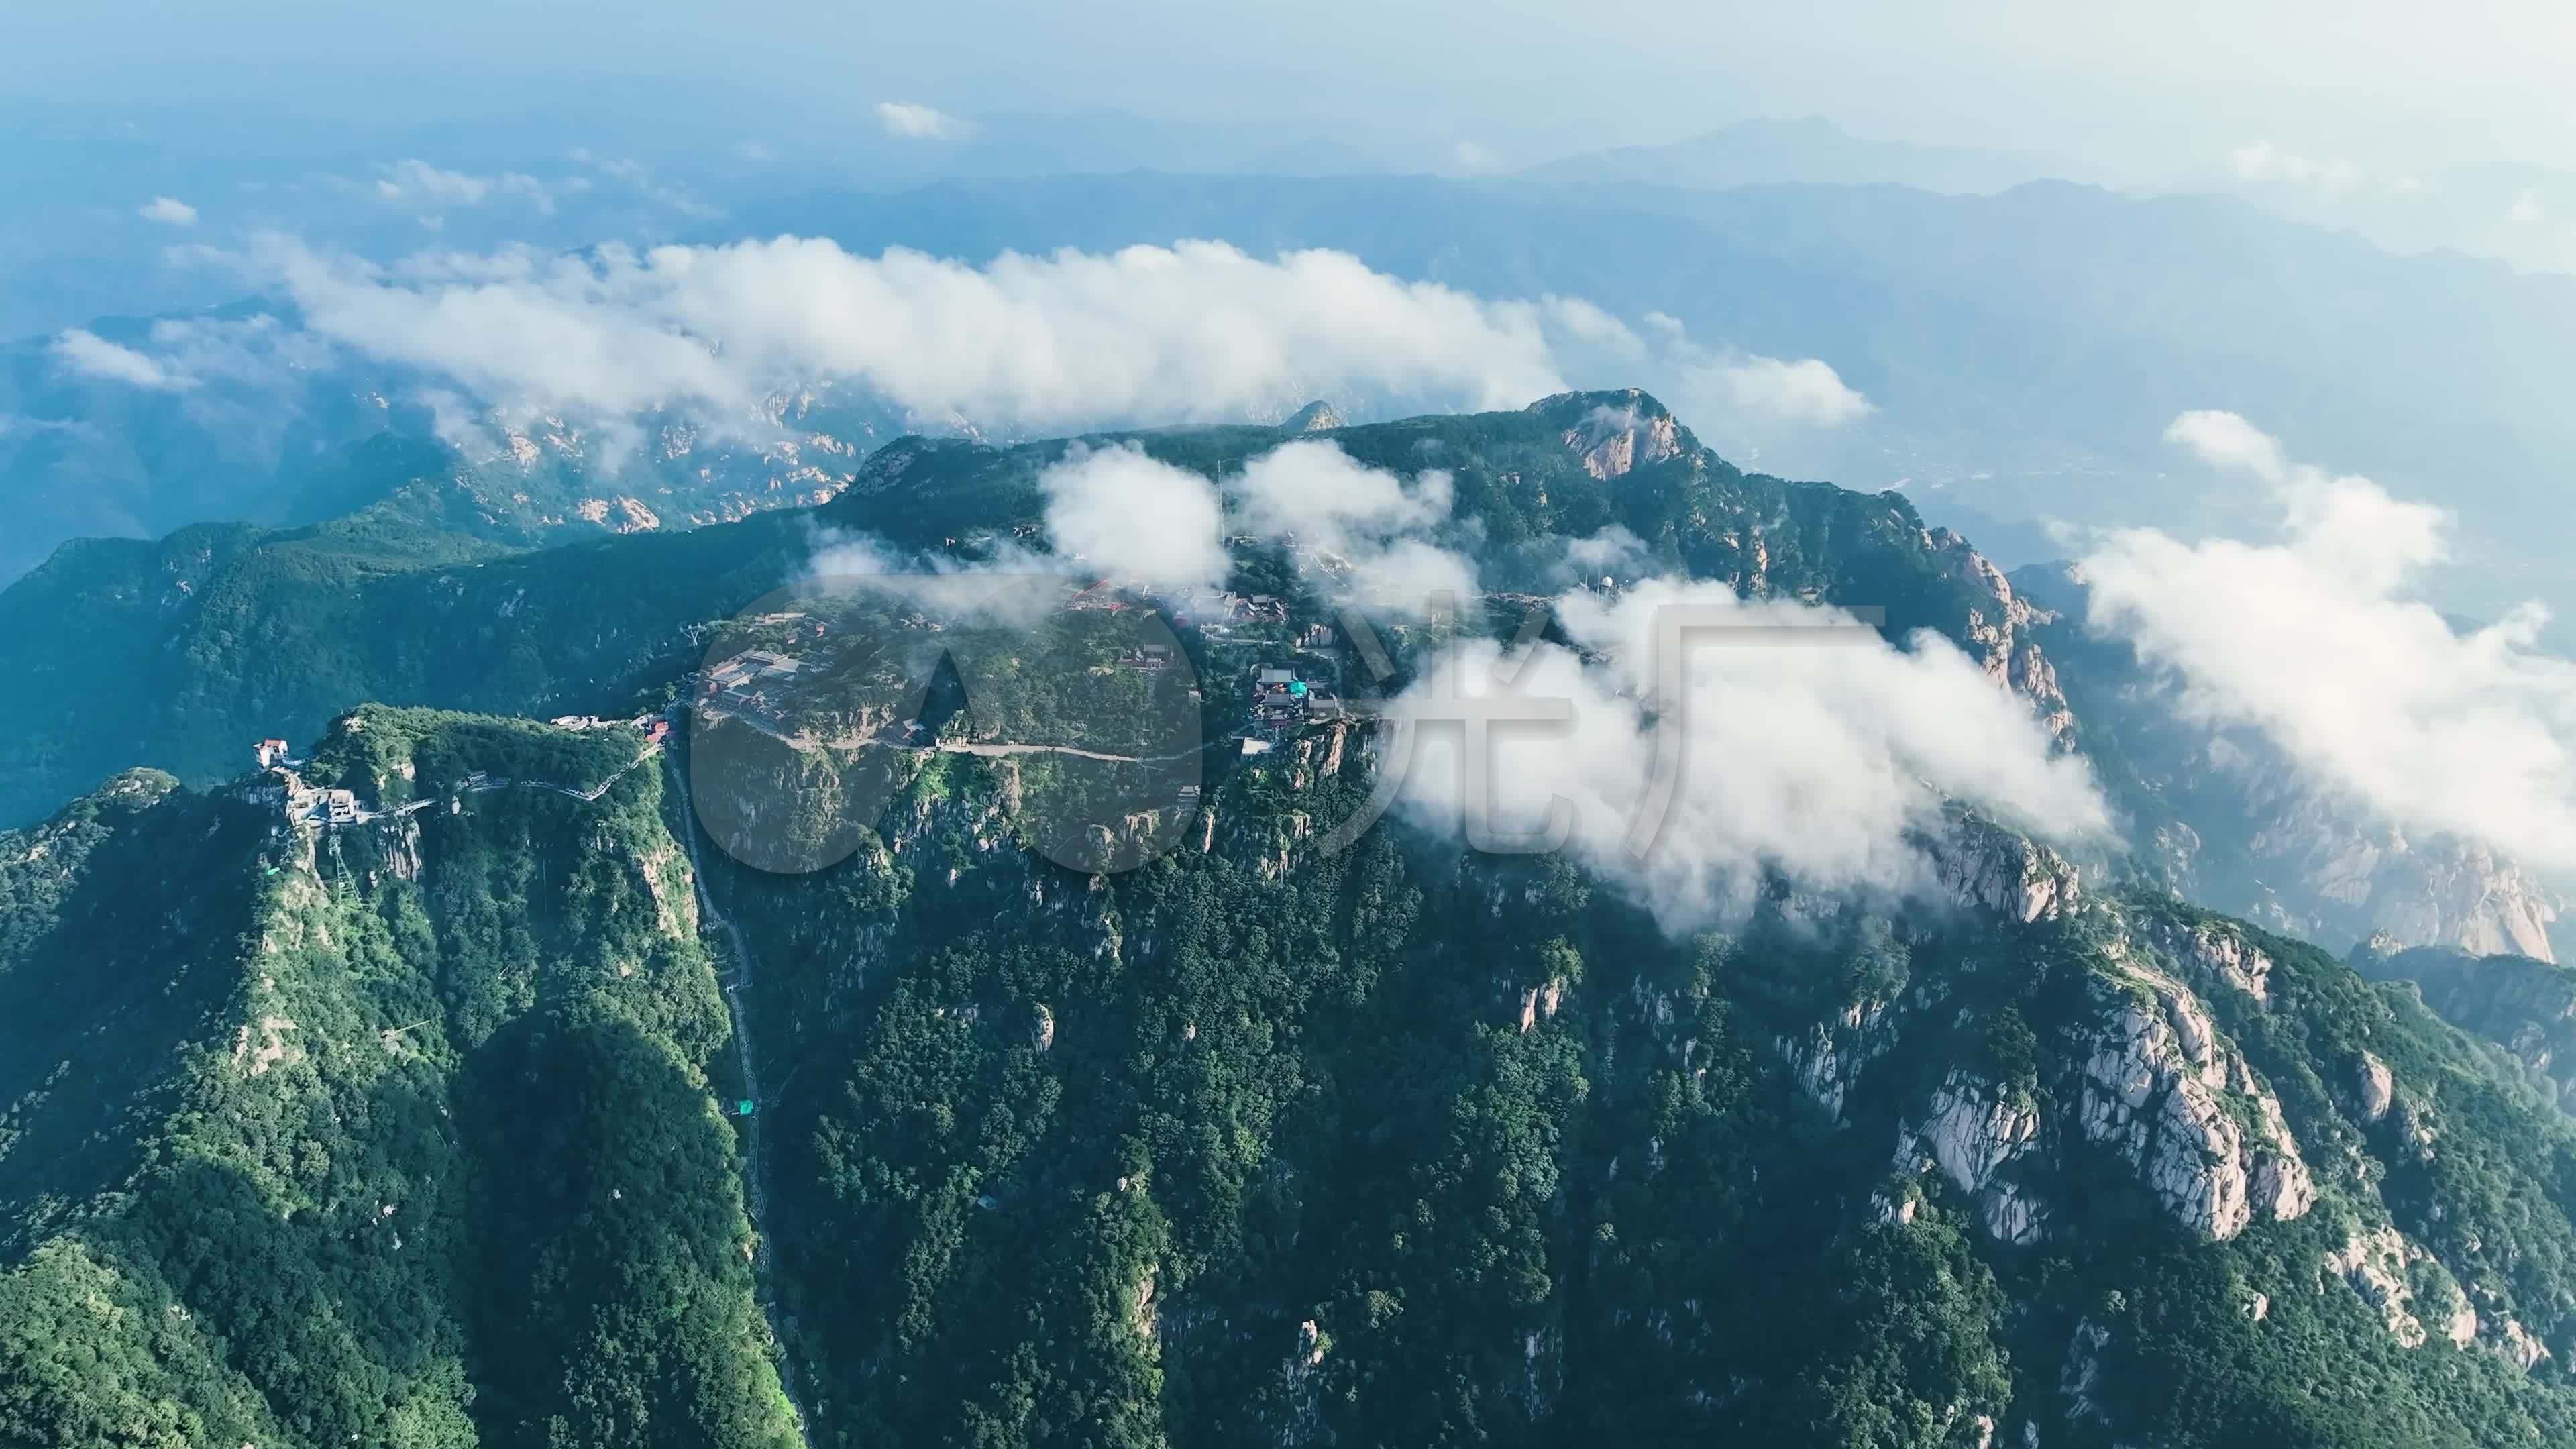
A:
(2002, 631)
(1619, 433)
(2183, 1108)
(2371, 877)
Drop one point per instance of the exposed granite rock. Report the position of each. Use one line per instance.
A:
(2516, 1342)
(2374, 1264)
(1613, 441)
(1831, 1055)
(2369, 876)
(1315, 417)
(2082, 1372)
(1981, 867)
(2206, 1137)
(1999, 634)
(2378, 1088)
(1974, 1131)
(2220, 954)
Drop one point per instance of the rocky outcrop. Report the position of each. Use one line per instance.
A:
(1829, 1058)
(2374, 1264)
(2181, 1105)
(1613, 441)
(1974, 1132)
(1984, 868)
(2000, 633)
(2335, 871)
(2221, 955)
(2516, 1342)
(2456, 892)
(1315, 417)
(2430, 890)
(2377, 1088)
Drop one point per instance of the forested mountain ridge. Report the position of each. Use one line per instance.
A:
(1263, 1142)
(397, 1135)
(174, 653)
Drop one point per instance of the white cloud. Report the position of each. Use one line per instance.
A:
(2225, 440)
(91, 355)
(1329, 499)
(1806, 391)
(1728, 389)
(2263, 163)
(257, 352)
(638, 176)
(1822, 756)
(915, 122)
(168, 211)
(1194, 332)
(2316, 642)
(1364, 529)
(416, 183)
(1614, 551)
(1470, 157)
(1126, 515)
(2527, 210)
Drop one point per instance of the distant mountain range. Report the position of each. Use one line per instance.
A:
(2023, 352)
(1810, 151)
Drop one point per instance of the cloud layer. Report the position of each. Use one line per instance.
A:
(1199, 331)
(2318, 642)
(1809, 750)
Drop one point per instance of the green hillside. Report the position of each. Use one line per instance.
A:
(1393, 1146)
(415, 1143)
(510, 1109)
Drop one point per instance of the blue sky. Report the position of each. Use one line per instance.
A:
(2146, 89)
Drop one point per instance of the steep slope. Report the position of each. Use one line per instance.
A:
(401, 1133)
(1400, 1145)
(1260, 1143)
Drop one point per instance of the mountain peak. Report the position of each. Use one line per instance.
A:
(1615, 432)
(1315, 417)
